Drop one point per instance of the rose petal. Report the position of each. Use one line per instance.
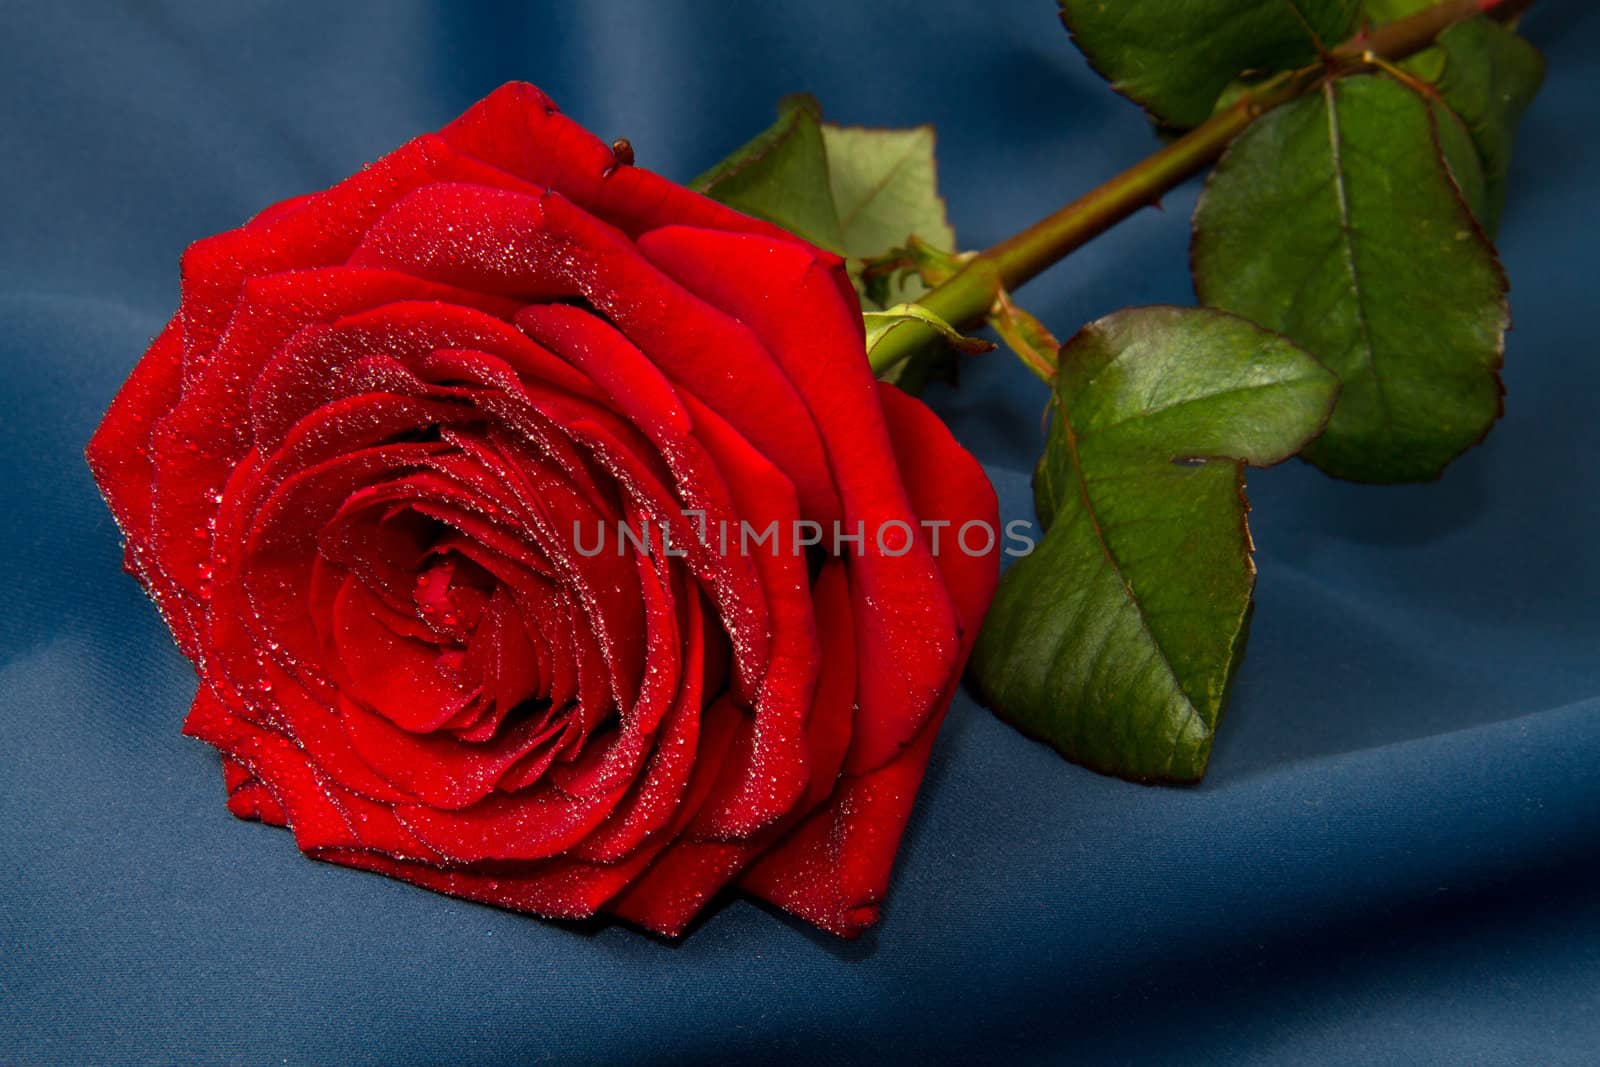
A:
(835, 868)
(320, 230)
(518, 129)
(120, 460)
(907, 632)
(248, 798)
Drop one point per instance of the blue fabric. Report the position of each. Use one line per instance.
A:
(1393, 858)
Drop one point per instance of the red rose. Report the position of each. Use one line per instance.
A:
(363, 473)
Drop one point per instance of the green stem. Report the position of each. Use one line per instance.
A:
(966, 298)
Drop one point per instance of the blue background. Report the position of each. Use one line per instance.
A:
(1393, 857)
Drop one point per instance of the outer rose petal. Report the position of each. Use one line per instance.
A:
(248, 798)
(835, 868)
(517, 128)
(118, 454)
(120, 460)
(906, 629)
(320, 230)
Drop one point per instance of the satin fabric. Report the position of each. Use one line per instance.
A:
(1392, 857)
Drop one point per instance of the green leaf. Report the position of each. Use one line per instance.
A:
(1334, 220)
(856, 191)
(885, 188)
(1490, 77)
(1116, 638)
(782, 176)
(1177, 58)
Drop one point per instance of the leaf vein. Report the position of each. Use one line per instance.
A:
(1347, 241)
(1157, 652)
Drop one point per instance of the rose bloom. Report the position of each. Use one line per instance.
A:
(353, 470)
